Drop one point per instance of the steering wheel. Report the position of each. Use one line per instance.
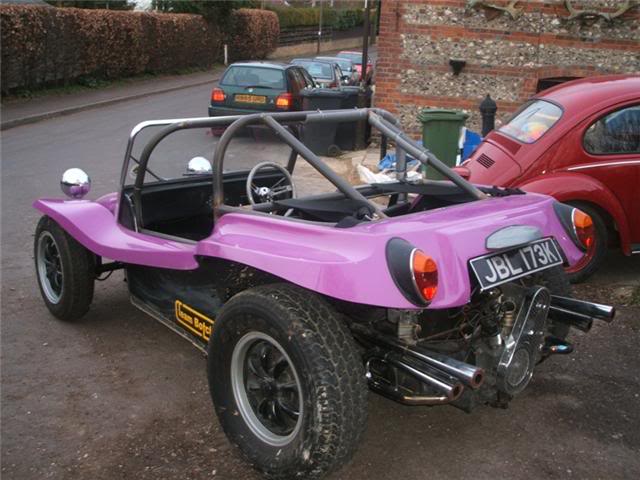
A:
(280, 189)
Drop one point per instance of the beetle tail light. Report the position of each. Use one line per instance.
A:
(217, 95)
(584, 229)
(425, 274)
(284, 101)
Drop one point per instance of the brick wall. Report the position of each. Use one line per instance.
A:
(505, 57)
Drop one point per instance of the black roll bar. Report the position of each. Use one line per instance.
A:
(378, 118)
(423, 155)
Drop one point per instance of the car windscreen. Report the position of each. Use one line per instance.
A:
(532, 121)
(257, 77)
(345, 64)
(317, 69)
(355, 57)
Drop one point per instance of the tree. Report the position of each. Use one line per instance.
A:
(105, 4)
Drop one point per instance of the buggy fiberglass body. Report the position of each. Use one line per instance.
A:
(429, 293)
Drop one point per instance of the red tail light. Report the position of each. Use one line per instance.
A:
(425, 274)
(284, 101)
(217, 95)
(583, 226)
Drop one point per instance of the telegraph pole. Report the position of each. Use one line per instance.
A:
(319, 29)
(362, 94)
(365, 42)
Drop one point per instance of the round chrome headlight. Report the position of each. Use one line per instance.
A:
(75, 183)
(198, 166)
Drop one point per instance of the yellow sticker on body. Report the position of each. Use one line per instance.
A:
(195, 322)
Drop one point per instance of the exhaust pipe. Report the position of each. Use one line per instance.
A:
(470, 375)
(579, 313)
(449, 389)
(596, 311)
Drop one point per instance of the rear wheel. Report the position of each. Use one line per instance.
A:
(594, 255)
(65, 271)
(287, 382)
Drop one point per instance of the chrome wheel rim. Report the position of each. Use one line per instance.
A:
(266, 388)
(50, 267)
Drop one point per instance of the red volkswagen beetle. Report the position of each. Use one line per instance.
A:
(579, 142)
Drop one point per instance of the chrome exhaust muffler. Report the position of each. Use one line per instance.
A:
(448, 388)
(579, 314)
(469, 375)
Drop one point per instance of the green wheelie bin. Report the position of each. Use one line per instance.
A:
(441, 134)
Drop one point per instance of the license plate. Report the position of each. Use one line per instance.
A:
(498, 268)
(251, 99)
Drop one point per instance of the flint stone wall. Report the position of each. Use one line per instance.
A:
(505, 56)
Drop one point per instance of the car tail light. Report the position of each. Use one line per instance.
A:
(413, 272)
(578, 225)
(583, 228)
(284, 101)
(217, 95)
(425, 274)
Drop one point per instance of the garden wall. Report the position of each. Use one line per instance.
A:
(508, 54)
(44, 46)
(253, 34)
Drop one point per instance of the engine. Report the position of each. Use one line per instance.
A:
(512, 326)
(483, 353)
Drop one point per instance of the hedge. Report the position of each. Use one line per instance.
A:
(252, 34)
(339, 19)
(43, 46)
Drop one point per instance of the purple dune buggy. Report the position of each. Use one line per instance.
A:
(429, 293)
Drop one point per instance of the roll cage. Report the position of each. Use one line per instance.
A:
(382, 120)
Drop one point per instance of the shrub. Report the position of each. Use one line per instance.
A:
(339, 19)
(43, 45)
(252, 34)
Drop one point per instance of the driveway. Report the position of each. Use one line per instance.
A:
(119, 396)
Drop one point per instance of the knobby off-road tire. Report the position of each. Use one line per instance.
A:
(322, 363)
(67, 289)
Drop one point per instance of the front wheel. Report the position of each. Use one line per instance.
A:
(287, 382)
(65, 271)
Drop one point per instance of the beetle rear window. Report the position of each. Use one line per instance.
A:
(254, 77)
(532, 121)
(317, 70)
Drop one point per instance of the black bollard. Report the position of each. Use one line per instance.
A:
(488, 109)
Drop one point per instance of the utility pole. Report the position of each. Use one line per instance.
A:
(361, 128)
(319, 29)
(365, 42)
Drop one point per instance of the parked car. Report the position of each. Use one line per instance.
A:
(356, 58)
(325, 74)
(348, 68)
(248, 87)
(580, 142)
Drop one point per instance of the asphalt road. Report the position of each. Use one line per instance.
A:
(119, 396)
